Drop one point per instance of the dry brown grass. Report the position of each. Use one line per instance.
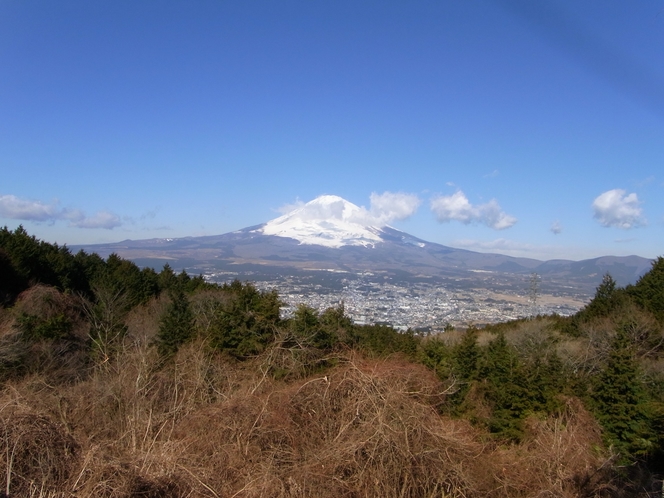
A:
(35, 452)
(206, 425)
(367, 428)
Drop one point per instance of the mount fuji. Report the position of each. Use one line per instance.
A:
(328, 221)
(330, 234)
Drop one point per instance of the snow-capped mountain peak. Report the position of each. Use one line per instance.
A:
(328, 220)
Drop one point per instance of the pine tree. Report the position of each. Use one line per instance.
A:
(621, 400)
(504, 388)
(176, 326)
(466, 356)
(649, 290)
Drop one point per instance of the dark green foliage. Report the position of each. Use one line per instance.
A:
(465, 361)
(119, 275)
(319, 331)
(336, 324)
(33, 261)
(496, 377)
(505, 388)
(246, 324)
(167, 279)
(383, 340)
(467, 355)
(27, 261)
(436, 355)
(176, 325)
(11, 283)
(649, 290)
(621, 401)
(608, 300)
(36, 328)
(545, 380)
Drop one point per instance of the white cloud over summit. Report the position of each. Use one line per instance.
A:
(393, 206)
(383, 209)
(457, 207)
(615, 208)
(15, 208)
(289, 207)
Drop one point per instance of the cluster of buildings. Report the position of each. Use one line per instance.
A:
(416, 305)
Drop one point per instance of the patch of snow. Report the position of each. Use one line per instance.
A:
(328, 220)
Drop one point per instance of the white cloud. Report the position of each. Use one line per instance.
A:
(384, 208)
(556, 227)
(457, 207)
(287, 208)
(15, 208)
(22, 209)
(616, 209)
(391, 206)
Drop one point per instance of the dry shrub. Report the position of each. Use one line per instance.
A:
(36, 453)
(531, 337)
(46, 302)
(143, 321)
(450, 338)
(591, 350)
(104, 478)
(560, 457)
(63, 357)
(205, 425)
(367, 428)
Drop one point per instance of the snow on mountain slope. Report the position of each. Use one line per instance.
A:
(329, 221)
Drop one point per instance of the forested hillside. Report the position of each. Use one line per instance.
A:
(124, 382)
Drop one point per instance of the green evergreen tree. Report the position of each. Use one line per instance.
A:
(544, 382)
(176, 326)
(167, 279)
(467, 355)
(438, 356)
(649, 290)
(608, 298)
(621, 401)
(504, 385)
(247, 323)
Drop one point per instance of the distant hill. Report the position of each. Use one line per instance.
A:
(332, 234)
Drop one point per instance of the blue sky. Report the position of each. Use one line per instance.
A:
(526, 128)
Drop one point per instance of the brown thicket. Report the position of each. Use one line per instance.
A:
(207, 425)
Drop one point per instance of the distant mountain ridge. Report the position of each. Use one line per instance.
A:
(332, 234)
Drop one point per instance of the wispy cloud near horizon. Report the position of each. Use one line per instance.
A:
(15, 208)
